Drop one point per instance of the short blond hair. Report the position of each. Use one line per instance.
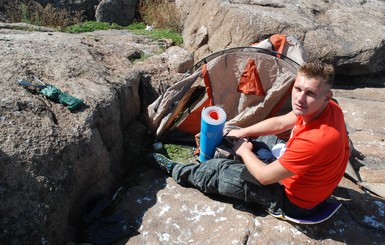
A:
(319, 69)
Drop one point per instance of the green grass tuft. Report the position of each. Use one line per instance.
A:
(160, 33)
(180, 153)
(91, 26)
(136, 28)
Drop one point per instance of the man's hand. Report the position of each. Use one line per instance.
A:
(234, 133)
(242, 146)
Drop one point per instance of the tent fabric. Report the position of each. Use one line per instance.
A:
(169, 104)
(192, 126)
(292, 47)
(279, 40)
(209, 90)
(250, 83)
(215, 81)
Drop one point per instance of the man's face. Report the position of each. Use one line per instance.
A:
(309, 97)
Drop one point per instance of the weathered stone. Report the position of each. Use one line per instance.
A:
(167, 213)
(179, 60)
(2, 18)
(361, 107)
(116, 11)
(350, 34)
(53, 160)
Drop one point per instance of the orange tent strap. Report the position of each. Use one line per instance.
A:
(206, 79)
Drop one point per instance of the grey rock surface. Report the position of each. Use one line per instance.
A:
(167, 213)
(116, 11)
(53, 160)
(349, 34)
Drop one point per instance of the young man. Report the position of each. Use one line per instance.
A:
(304, 176)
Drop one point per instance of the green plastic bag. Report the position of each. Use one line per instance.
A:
(57, 95)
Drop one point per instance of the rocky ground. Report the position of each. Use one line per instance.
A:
(170, 214)
(166, 213)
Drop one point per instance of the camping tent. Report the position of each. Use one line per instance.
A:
(249, 83)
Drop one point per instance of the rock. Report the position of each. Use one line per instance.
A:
(167, 213)
(160, 71)
(121, 12)
(364, 120)
(54, 161)
(116, 11)
(2, 18)
(350, 34)
(179, 60)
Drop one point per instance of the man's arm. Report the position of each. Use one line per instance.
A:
(273, 125)
(264, 173)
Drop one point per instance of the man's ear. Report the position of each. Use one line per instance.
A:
(329, 95)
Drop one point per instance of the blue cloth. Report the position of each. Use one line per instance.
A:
(263, 151)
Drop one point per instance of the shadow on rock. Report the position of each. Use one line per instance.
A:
(139, 198)
(359, 221)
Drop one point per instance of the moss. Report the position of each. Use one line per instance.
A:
(180, 153)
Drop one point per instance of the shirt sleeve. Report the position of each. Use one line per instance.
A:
(299, 155)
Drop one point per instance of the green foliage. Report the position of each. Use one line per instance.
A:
(166, 33)
(141, 57)
(161, 33)
(180, 153)
(136, 28)
(25, 16)
(89, 26)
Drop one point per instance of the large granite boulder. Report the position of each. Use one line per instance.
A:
(53, 160)
(349, 34)
(86, 7)
(121, 12)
